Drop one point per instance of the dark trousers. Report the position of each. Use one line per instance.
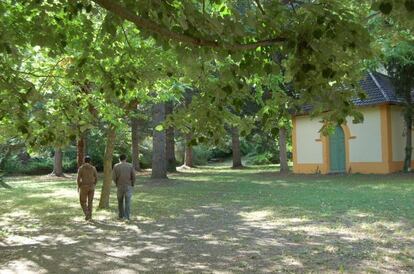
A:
(86, 199)
(124, 194)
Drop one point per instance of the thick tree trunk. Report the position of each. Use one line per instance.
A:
(159, 167)
(284, 168)
(107, 181)
(235, 143)
(58, 163)
(170, 143)
(188, 153)
(170, 150)
(80, 146)
(135, 143)
(408, 141)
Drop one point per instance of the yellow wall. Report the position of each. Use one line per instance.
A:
(301, 167)
(366, 147)
(309, 150)
(370, 146)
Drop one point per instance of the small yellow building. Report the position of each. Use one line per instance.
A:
(374, 146)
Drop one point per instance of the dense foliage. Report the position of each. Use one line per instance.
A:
(69, 67)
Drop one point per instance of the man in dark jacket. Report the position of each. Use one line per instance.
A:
(87, 179)
(123, 175)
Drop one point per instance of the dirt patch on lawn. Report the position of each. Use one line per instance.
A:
(210, 238)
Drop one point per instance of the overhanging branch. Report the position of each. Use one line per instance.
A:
(153, 27)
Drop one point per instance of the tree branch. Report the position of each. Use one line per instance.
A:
(373, 15)
(151, 26)
(260, 6)
(127, 40)
(50, 75)
(36, 75)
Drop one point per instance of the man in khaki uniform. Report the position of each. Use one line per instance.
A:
(87, 179)
(123, 175)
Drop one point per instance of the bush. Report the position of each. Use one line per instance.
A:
(70, 166)
(221, 153)
(201, 155)
(246, 147)
(261, 158)
(145, 153)
(35, 166)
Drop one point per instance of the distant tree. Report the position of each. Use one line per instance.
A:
(188, 138)
(135, 126)
(170, 140)
(58, 162)
(235, 145)
(159, 167)
(107, 163)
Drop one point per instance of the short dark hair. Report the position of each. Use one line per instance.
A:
(122, 157)
(87, 159)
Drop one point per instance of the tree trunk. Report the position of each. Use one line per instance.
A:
(107, 181)
(188, 151)
(85, 143)
(235, 144)
(4, 157)
(408, 141)
(284, 168)
(135, 143)
(57, 164)
(159, 167)
(188, 154)
(170, 143)
(80, 145)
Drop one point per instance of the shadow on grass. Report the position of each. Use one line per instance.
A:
(210, 221)
(4, 185)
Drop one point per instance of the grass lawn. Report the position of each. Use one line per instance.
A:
(214, 219)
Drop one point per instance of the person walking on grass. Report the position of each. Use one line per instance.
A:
(123, 175)
(87, 179)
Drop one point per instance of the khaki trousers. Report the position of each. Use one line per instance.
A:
(86, 193)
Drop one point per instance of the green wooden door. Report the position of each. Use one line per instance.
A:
(337, 150)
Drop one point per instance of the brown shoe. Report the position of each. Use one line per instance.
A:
(88, 217)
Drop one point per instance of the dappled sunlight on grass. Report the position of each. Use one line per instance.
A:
(25, 266)
(214, 219)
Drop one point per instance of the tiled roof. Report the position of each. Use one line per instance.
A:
(379, 89)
